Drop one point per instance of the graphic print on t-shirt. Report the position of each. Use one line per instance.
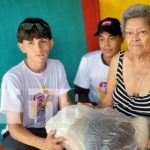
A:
(102, 89)
(40, 102)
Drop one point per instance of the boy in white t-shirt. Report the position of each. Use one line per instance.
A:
(33, 91)
(91, 78)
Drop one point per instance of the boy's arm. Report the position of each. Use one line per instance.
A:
(64, 100)
(111, 83)
(20, 133)
(82, 94)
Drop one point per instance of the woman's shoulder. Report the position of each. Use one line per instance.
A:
(118, 56)
(116, 59)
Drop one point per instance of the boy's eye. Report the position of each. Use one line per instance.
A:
(112, 37)
(43, 41)
(101, 39)
(30, 42)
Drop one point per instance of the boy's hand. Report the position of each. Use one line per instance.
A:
(52, 143)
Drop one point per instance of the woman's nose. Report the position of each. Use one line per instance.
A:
(135, 37)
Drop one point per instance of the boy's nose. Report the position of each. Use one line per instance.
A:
(106, 43)
(38, 47)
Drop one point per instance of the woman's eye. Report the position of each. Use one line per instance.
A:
(128, 33)
(142, 32)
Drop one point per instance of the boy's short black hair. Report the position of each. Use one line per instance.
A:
(33, 28)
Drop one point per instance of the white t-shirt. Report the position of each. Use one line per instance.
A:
(34, 94)
(92, 74)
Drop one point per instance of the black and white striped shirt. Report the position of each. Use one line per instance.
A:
(129, 105)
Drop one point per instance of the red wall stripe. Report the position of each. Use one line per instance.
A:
(91, 16)
(1, 148)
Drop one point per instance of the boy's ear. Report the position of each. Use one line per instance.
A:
(21, 47)
(51, 43)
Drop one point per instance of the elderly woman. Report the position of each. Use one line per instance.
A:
(129, 76)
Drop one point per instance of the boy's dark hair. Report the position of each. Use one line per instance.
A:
(33, 28)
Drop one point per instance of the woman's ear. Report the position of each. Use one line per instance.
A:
(21, 47)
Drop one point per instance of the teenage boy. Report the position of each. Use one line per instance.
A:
(33, 91)
(91, 78)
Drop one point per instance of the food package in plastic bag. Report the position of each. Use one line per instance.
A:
(86, 128)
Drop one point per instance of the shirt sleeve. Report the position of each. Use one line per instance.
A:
(63, 82)
(11, 99)
(82, 77)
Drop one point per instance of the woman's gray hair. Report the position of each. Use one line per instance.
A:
(135, 11)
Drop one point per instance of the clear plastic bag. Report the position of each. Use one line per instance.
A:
(86, 128)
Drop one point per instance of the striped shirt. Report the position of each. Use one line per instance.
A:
(129, 105)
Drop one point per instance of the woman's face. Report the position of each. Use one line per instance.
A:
(137, 35)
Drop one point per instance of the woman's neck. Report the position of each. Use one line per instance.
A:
(139, 59)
